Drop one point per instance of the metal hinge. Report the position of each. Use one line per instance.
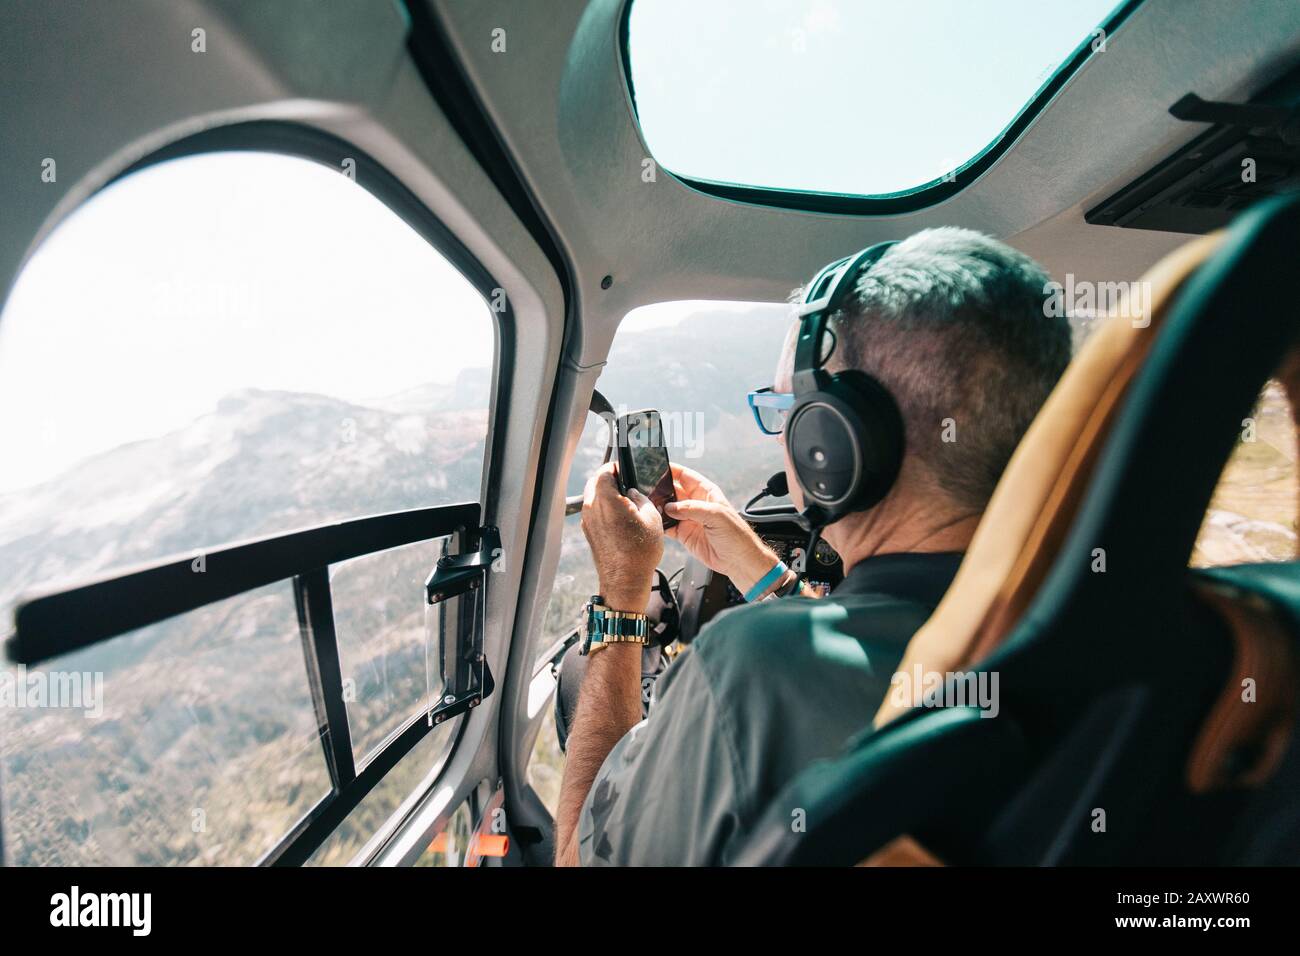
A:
(456, 586)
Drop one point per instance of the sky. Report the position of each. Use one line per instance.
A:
(850, 96)
(201, 276)
(204, 275)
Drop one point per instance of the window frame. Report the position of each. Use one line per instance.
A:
(63, 620)
(912, 200)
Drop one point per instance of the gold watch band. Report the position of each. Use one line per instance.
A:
(626, 639)
(607, 626)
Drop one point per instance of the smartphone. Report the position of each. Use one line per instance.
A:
(643, 460)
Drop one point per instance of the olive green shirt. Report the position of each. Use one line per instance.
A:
(761, 693)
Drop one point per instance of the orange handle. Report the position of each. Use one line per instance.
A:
(491, 844)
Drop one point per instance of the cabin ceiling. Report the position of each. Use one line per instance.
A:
(560, 102)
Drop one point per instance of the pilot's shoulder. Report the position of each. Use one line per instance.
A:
(765, 639)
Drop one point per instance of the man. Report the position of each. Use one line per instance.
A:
(953, 324)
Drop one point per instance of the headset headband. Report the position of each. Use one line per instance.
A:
(825, 296)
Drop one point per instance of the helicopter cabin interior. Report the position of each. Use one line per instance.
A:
(319, 317)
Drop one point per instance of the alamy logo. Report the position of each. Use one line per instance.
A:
(75, 908)
(676, 430)
(920, 688)
(1084, 299)
(37, 690)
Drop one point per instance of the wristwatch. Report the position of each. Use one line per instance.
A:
(604, 626)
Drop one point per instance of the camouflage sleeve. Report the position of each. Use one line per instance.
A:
(668, 793)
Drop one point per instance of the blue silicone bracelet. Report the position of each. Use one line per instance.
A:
(767, 580)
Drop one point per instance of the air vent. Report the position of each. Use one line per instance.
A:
(1251, 152)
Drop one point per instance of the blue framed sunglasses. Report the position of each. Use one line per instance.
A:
(770, 409)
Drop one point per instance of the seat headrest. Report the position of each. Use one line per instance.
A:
(1039, 494)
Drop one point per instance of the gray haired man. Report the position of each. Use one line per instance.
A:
(953, 324)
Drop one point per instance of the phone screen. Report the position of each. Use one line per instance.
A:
(643, 460)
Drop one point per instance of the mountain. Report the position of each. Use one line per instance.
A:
(207, 747)
(263, 462)
(472, 389)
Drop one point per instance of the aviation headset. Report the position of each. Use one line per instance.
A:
(844, 433)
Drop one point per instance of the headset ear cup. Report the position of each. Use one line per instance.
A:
(846, 444)
(822, 440)
(844, 435)
(880, 434)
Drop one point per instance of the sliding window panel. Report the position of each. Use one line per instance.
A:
(389, 668)
(191, 741)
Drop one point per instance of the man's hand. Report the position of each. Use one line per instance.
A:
(715, 532)
(626, 538)
(627, 543)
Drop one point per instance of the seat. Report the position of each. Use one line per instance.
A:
(1118, 672)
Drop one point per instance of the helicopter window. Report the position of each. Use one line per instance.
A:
(230, 347)
(170, 736)
(1252, 516)
(709, 79)
(695, 362)
(225, 346)
(389, 669)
